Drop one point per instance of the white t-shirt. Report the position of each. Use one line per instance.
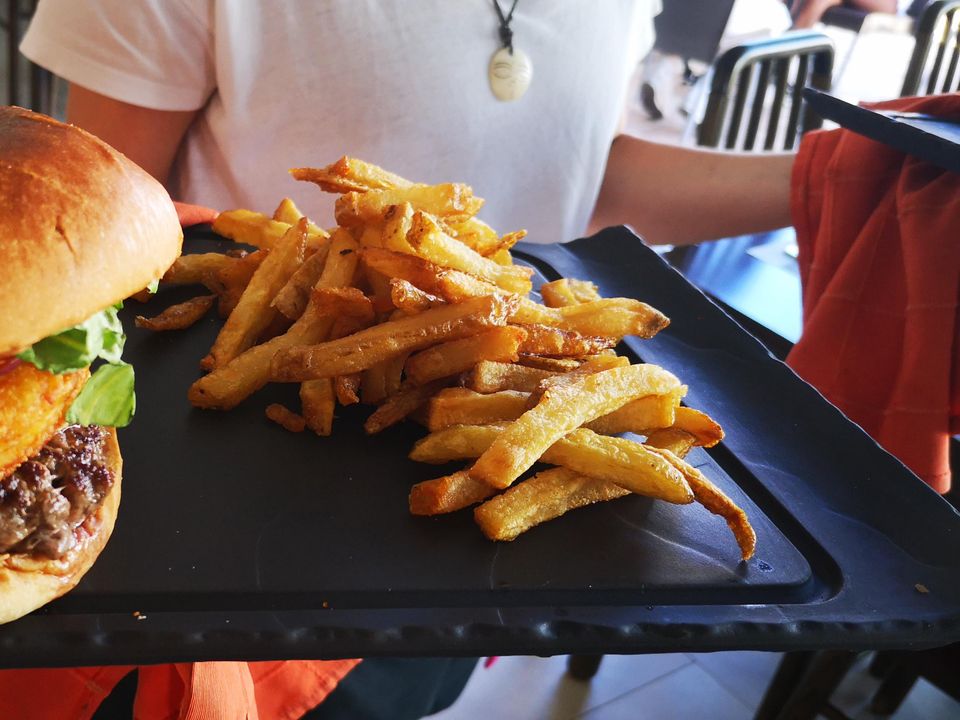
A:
(282, 84)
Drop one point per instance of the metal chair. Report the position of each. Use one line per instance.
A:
(27, 84)
(935, 63)
(741, 79)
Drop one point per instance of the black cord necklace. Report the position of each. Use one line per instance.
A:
(510, 69)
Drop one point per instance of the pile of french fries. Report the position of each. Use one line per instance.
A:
(414, 305)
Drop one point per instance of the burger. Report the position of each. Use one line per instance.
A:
(81, 228)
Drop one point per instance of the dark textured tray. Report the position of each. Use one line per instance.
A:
(238, 540)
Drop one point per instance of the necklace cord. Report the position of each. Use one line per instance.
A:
(506, 34)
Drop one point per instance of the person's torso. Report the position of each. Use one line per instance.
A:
(405, 85)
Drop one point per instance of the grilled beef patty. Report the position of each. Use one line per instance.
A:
(50, 495)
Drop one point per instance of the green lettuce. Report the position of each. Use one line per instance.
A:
(108, 397)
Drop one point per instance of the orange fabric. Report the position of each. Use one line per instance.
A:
(185, 691)
(879, 238)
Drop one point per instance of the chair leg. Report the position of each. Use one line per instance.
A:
(824, 674)
(791, 668)
(894, 690)
(583, 667)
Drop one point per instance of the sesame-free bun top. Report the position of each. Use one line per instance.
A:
(81, 227)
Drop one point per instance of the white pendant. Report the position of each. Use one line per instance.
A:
(510, 74)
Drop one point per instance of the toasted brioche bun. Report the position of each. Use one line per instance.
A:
(82, 226)
(29, 581)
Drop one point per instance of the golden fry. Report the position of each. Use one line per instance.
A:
(197, 269)
(350, 175)
(545, 496)
(233, 279)
(554, 342)
(453, 357)
(562, 409)
(292, 298)
(285, 418)
(450, 285)
(318, 400)
(400, 405)
(395, 337)
(610, 317)
(567, 291)
(447, 494)
(454, 201)
(179, 316)
(288, 212)
(460, 406)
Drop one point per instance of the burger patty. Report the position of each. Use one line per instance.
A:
(50, 495)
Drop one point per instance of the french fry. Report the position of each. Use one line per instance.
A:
(567, 291)
(399, 405)
(288, 212)
(347, 388)
(259, 230)
(228, 386)
(430, 242)
(618, 460)
(558, 365)
(610, 317)
(554, 342)
(451, 358)
(197, 269)
(502, 257)
(490, 377)
(233, 279)
(373, 385)
(453, 201)
(179, 316)
(253, 313)
(460, 406)
(350, 175)
(447, 494)
(397, 220)
(292, 298)
(706, 431)
(717, 502)
(395, 337)
(562, 409)
(545, 496)
(450, 285)
(477, 235)
(677, 441)
(410, 299)
(318, 400)
(640, 416)
(285, 418)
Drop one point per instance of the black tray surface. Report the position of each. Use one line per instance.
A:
(239, 540)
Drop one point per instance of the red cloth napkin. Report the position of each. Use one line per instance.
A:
(879, 237)
(185, 691)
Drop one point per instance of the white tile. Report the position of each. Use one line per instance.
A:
(686, 693)
(531, 688)
(744, 674)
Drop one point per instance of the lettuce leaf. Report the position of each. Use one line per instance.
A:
(108, 397)
(101, 336)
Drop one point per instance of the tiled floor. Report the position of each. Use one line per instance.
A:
(716, 686)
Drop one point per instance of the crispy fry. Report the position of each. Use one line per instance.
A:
(453, 201)
(447, 494)
(319, 401)
(347, 388)
(477, 235)
(610, 317)
(502, 257)
(179, 316)
(706, 431)
(253, 313)
(373, 386)
(197, 269)
(397, 220)
(714, 500)
(450, 285)
(618, 460)
(640, 416)
(562, 409)
(292, 298)
(368, 347)
(410, 299)
(548, 363)
(491, 377)
(253, 228)
(554, 342)
(288, 212)
(233, 279)
(545, 496)
(350, 175)
(285, 418)
(399, 405)
(567, 291)
(453, 357)
(430, 242)
(460, 406)
(677, 441)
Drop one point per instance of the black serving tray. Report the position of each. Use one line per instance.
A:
(239, 540)
(936, 140)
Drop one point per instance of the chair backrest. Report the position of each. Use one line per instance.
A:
(740, 102)
(692, 28)
(935, 63)
(27, 85)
